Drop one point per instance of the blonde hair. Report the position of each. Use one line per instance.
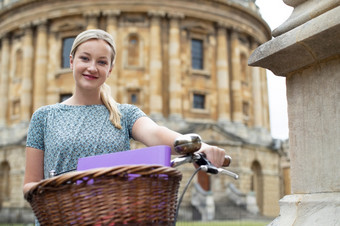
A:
(105, 90)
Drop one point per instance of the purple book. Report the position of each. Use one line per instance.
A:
(156, 155)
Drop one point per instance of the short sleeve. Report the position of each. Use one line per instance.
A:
(130, 114)
(35, 135)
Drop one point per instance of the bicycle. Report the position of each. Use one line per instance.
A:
(120, 195)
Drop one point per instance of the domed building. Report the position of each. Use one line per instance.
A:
(183, 62)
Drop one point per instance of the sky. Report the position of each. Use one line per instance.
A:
(275, 12)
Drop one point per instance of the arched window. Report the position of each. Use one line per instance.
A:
(133, 50)
(4, 182)
(257, 183)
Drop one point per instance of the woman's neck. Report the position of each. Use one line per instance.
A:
(84, 98)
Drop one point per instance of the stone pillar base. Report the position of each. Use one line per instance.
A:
(309, 210)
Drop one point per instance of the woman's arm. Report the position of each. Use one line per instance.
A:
(149, 133)
(34, 171)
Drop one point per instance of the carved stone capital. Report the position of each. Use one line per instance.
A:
(111, 12)
(234, 32)
(4, 37)
(26, 26)
(154, 13)
(39, 22)
(175, 15)
(222, 24)
(92, 13)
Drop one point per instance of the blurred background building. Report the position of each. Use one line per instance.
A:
(183, 62)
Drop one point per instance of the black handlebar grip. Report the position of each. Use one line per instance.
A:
(187, 144)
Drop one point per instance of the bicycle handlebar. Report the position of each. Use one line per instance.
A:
(188, 145)
(201, 160)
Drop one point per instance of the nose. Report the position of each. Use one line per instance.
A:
(92, 67)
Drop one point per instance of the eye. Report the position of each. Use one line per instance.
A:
(102, 62)
(84, 58)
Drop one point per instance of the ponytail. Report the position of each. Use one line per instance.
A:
(111, 105)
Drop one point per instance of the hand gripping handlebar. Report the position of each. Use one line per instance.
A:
(188, 145)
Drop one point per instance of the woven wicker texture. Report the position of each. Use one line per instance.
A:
(124, 195)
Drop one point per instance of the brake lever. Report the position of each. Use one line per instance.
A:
(207, 166)
(201, 160)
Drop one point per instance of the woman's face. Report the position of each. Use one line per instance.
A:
(91, 64)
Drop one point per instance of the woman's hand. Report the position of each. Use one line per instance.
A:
(34, 171)
(214, 154)
(28, 187)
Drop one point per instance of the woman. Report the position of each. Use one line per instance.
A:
(91, 122)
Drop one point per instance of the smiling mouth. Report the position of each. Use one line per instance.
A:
(90, 77)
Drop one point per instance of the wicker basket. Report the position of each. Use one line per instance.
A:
(124, 195)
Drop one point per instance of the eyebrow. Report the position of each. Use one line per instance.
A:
(101, 57)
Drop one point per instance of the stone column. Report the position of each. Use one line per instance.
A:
(92, 19)
(175, 67)
(112, 22)
(257, 94)
(40, 67)
(112, 28)
(265, 101)
(54, 61)
(222, 68)
(306, 51)
(4, 80)
(155, 68)
(26, 83)
(236, 87)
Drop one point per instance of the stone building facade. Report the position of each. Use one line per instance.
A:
(184, 63)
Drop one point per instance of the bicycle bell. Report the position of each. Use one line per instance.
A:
(187, 144)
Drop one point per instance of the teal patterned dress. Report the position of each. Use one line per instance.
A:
(66, 133)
